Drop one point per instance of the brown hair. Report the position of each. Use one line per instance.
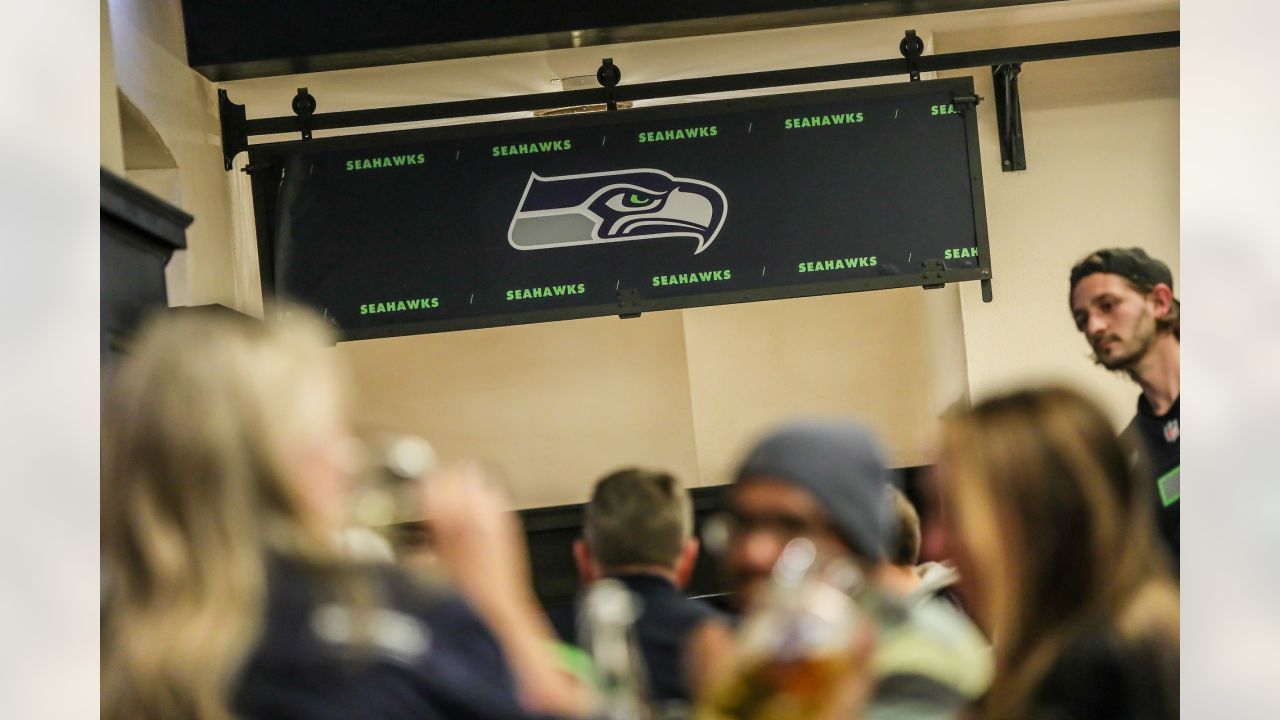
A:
(905, 548)
(1062, 531)
(638, 517)
(1172, 321)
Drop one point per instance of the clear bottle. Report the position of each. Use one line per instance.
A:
(605, 631)
(390, 468)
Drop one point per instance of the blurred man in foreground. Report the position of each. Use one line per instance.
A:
(827, 483)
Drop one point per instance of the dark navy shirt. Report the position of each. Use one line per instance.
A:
(1100, 676)
(1159, 436)
(666, 621)
(430, 656)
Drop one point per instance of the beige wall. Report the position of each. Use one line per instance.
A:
(110, 148)
(149, 56)
(554, 405)
(863, 355)
(1102, 158)
(558, 404)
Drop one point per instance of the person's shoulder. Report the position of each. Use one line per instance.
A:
(1135, 431)
(668, 602)
(398, 605)
(702, 610)
(677, 616)
(935, 640)
(1136, 438)
(451, 620)
(1099, 673)
(942, 624)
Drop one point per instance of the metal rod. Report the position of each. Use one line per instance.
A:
(722, 83)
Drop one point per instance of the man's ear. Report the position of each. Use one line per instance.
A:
(588, 572)
(1162, 299)
(684, 564)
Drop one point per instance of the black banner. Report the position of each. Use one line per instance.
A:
(629, 211)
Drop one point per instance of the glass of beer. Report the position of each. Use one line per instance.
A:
(798, 647)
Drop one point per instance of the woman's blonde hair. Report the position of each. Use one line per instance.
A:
(200, 426)
(1061, 530)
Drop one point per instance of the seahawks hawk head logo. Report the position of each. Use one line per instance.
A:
(616, 206)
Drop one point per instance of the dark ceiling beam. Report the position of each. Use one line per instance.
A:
(708, 85)
(238, 39)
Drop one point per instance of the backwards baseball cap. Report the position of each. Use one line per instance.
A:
(1132, 263)
(842, 466)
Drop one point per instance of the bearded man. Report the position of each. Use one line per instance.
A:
(1122, 300)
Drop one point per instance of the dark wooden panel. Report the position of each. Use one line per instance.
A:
(138, 233)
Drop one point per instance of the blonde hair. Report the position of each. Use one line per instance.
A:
(200, 424)
(904, 551)
(638, 517)
(1063, 533)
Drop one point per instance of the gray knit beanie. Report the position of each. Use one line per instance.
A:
(842, 466)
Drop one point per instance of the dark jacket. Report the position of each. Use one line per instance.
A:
(1100, 676)
(430, 656)
(1160, 437)
(667, 620)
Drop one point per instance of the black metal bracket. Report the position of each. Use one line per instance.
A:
(609, 75)
(231, 118)
(933, 270)
(628, 302)
(304, 106)
(965, 103)
(912, 47)
(1013, 153)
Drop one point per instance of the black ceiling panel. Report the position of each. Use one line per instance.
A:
(233, 39)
